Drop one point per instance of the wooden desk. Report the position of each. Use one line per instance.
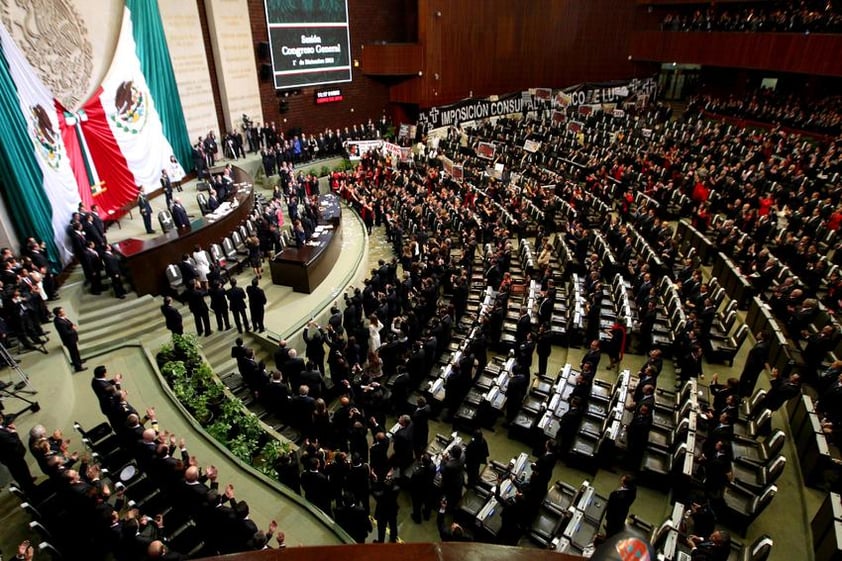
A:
(305, 268)
(145, 260)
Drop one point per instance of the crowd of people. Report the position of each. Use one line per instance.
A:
(771, 188)
(804, 16)
(104, 520)
(823, 115)
(27, 284)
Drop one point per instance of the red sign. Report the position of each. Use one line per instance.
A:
(328, 96)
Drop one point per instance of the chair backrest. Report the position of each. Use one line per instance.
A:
(659, 535)
(763, 500)
(740, 335)
(36, 526)
(217, 254)
(228, 247)
(729, 320)
(203, 203)
(775, 443)
(166, 221)
(763, 422)
(730, 307)
(46, 547)
(237, 239)
(759, 550)
(775, 469)
(173, 278)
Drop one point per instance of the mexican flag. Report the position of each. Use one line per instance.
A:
(33, 155)
(121, 132)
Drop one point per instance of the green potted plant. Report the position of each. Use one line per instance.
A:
(215, 394)
(165, 354)
(218, 430)
(174, 370)
(199, 406)
(324, 172)
(244, 447)
(187, 350)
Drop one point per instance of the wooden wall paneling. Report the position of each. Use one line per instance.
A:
(784, 52)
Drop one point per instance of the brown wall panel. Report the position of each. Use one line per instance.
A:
(784, 52)
(394, 59)
(499, 46)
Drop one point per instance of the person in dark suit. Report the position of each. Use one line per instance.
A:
(402, 445)
(716, 547)
(523, 326)
(386, 512)
(568, 426)
(101, 385)
(316, 486)
(179, 215)
(145, 210)
(166, 186)
(544, 346)
(353, 518)
(112, 271)
(782, 390)
(94, 261)
(420, 426)
(293, 368)
(199, 309)
(189, 271)
(257, 304)
(638, 436)
(422, 488)
(67, 331)
(172, 317)
(237, 300)
(12, 453)
(276, 395)
(756, 361)
(619, 503)
(219, 305)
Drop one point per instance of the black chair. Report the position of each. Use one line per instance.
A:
(759, 550)
(758, 452)
(756, 427)
(203, 203)
(166, 221)
(742, 507)
(755, 478)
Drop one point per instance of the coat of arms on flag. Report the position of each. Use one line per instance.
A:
(44, 136)
(130, 103)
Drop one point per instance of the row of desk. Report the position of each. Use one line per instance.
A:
(820, 458)
(827, 529)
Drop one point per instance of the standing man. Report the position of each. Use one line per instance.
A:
(12, 452)
(94, 267)
(145, 210)
(757, 360)
(166, 185)
(199, 308)
(69, 337)
(112, 271)
(237, 299)
(257, 304)
(172, 317)
(619, 503)
(219, 305)
(179, 215)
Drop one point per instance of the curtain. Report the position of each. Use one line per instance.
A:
(154, 55)
(20, 174)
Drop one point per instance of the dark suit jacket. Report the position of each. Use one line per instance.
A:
(172, 317)
(237, 298)
(112, 264)
(179, 216)
(65, 330)
(257, 298)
